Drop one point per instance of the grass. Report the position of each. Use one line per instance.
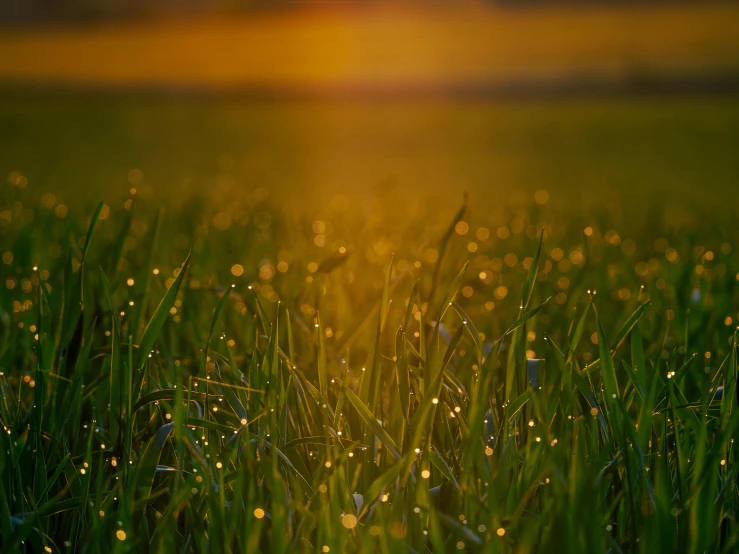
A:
(586, 152)
(197, 380)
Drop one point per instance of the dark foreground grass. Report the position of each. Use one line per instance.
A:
(472, 392)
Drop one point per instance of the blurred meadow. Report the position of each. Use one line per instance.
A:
(367, 277)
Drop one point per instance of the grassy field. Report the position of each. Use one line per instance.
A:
(675, 154)
(262, 367)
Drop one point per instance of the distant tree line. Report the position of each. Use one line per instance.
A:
(45, 11)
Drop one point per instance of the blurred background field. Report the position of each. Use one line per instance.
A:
(612, 104)
(368, 46)
(622, 155)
